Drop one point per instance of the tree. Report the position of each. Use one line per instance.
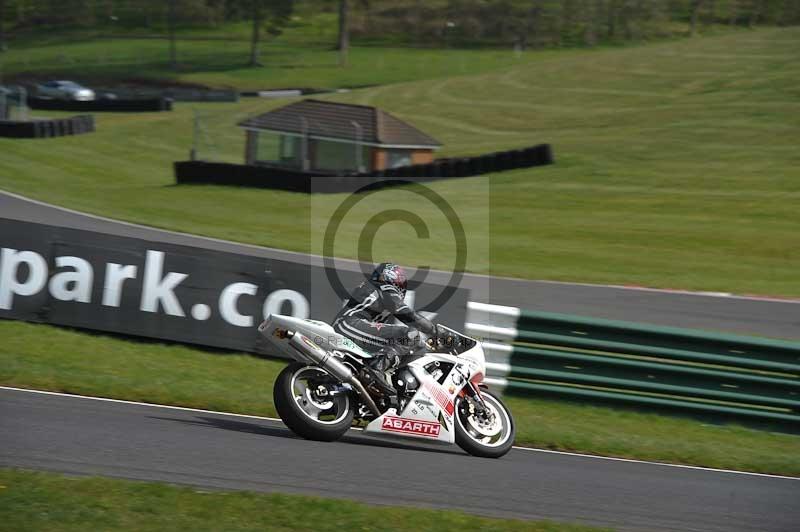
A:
(567, 20)
(694, 8)
(756, 7)
(531, 25)
(611, 18)
(343, 44)
(272, 15)
(791, 13)
(626, 13)
(255, 39)
(712, 12)
(366, 7)
(173, 52)
(592, 13)
(2, 18)
(733, 11)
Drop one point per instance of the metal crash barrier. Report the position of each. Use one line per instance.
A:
(602, 361)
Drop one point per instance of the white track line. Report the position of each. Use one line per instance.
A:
(530, 449)
(675, 291)
(665, 464)
(138, 403)
(355, 262)
(155, 229)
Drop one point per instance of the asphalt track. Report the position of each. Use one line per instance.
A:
(762, 316)
(86, 436)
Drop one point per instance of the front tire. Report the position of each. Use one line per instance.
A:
(303, 411)
(487, 436)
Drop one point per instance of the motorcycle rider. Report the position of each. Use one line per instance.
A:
(366, 319)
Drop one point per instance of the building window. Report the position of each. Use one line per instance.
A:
(267, 145)
(330, 155)
(396, 158)
(288, 147)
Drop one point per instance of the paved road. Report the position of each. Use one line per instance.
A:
(86, 436)
(740, 315)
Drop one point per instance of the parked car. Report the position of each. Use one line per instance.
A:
(8, 93)
(9, 97)
(4, 94)
(65, 90)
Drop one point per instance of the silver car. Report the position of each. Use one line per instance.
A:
(65, 90)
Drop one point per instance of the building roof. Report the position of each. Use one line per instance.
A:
(335, 120)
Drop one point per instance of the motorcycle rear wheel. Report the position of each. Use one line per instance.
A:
(304, 412)
(481, 436)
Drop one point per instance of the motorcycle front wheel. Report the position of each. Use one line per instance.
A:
(306, 408)
(489, 434)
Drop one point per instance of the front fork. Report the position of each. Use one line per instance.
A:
(475, 403)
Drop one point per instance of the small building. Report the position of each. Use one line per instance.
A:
(316, 135)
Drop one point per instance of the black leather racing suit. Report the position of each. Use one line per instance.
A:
(367, 319)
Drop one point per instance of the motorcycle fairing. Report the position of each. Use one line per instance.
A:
(433, 403)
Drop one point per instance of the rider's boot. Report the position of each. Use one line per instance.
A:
(383, 360)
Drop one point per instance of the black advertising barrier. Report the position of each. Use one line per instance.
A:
(186, 294)
(36, 129)
(115, 106)
(17, 129)
(203, 172)
(200, 172)
(176, 94)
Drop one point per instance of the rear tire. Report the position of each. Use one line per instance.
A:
(301, 422)
(468, 429)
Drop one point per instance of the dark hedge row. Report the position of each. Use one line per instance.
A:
(200, 172)
(38, 129)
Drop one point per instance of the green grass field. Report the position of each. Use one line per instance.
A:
(677, 166)
(56, 359)
(44, 501)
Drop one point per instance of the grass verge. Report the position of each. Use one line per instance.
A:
(677, 167)
(56, 359)
(46, 501)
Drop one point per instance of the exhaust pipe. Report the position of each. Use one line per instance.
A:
(314, 354)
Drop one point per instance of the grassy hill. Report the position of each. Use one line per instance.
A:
(302, 56)
(390, 47)
(220, 63)
(677, 166)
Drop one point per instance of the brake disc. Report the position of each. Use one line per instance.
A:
(486, 427)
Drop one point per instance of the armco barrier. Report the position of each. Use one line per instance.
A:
(36, 129)
(115, 106)
(597, 360)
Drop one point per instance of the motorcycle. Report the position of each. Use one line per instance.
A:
(440, 391)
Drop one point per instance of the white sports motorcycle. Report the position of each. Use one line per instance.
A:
(440, 394)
